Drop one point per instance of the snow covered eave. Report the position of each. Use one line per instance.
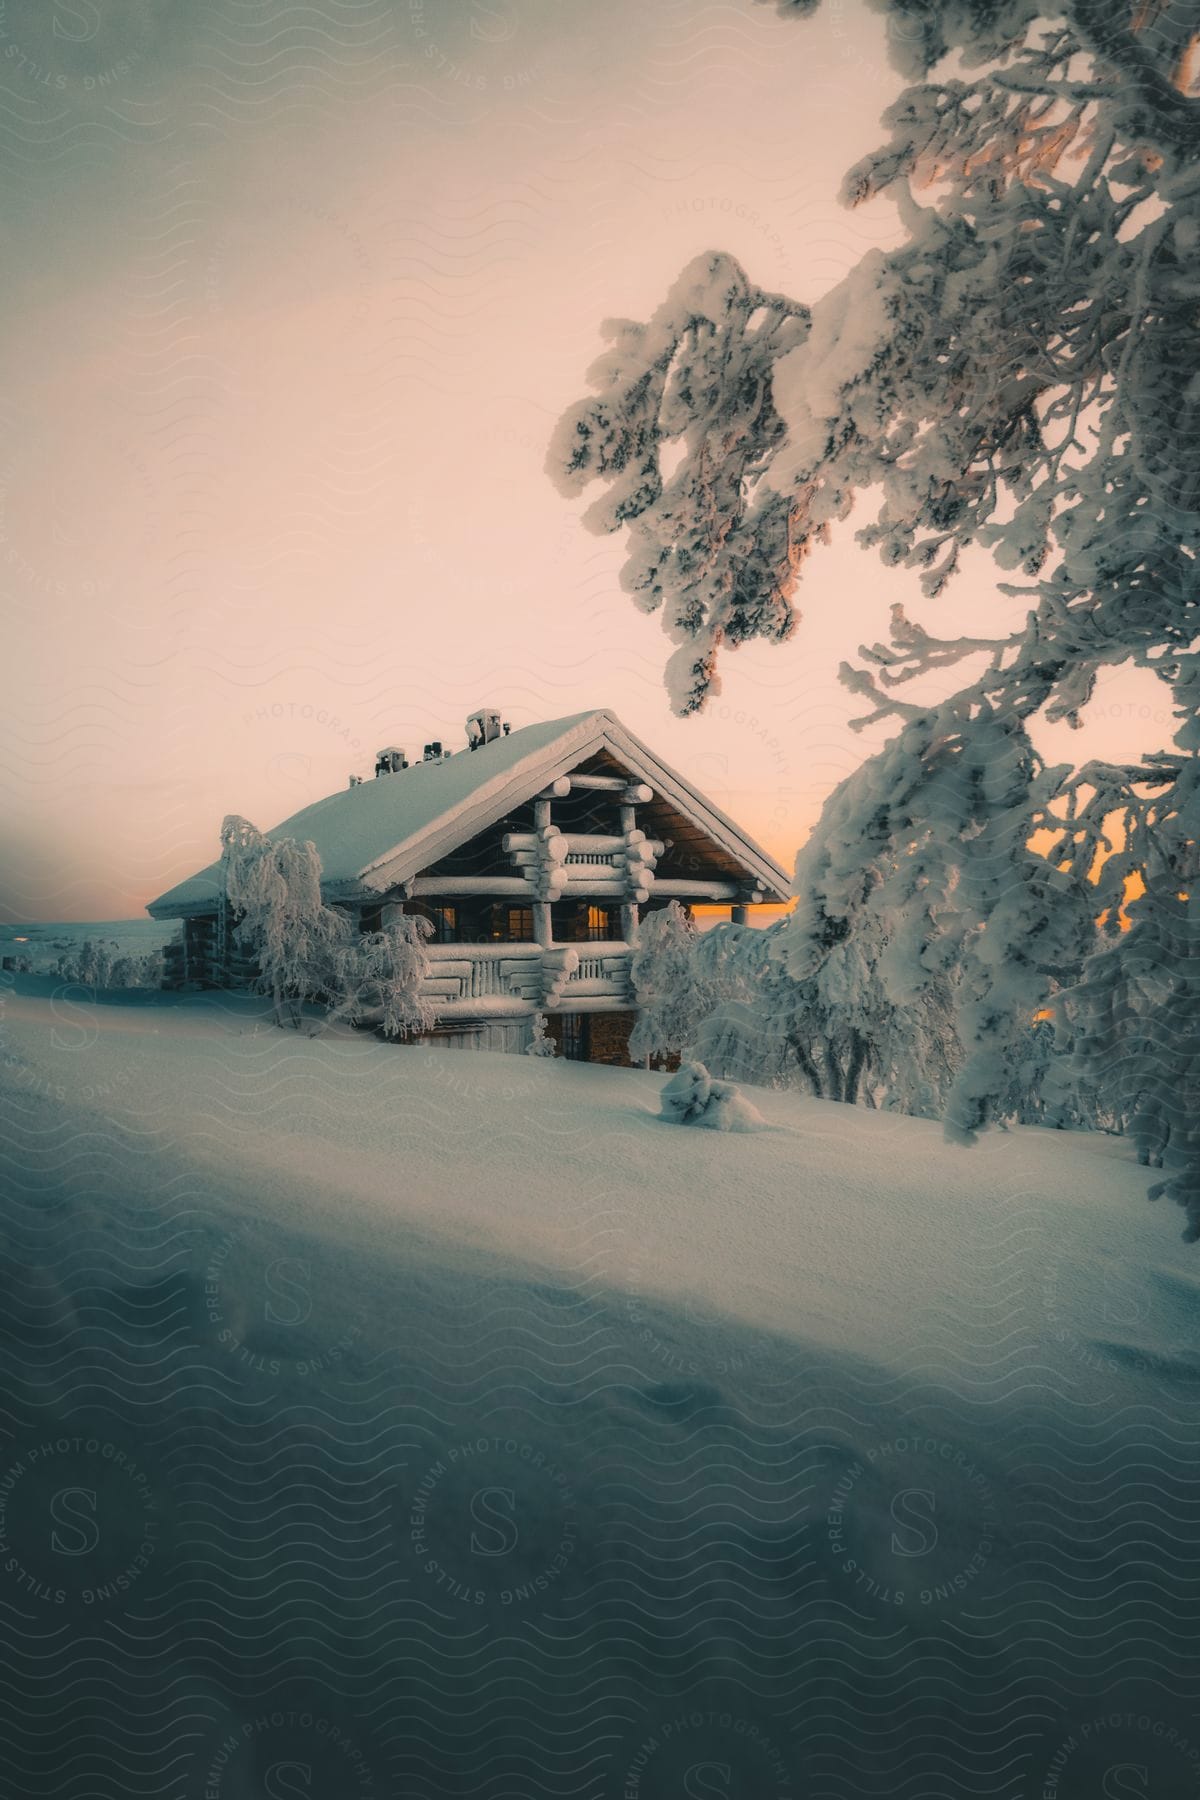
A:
(190, 899)
(593, 734)
(490, 802)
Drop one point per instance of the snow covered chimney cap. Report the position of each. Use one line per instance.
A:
(390, 760)
(483, 726)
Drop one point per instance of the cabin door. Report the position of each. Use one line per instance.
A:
(575, 1045)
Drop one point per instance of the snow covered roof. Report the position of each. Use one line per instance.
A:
(372, 837)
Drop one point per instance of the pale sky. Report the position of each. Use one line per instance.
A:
(294, 297)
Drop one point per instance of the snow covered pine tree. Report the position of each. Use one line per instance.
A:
(1022, 374)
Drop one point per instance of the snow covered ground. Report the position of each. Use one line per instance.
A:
(453, 1425)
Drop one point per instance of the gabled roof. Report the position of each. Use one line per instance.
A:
(372, 837)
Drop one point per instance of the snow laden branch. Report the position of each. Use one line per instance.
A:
(1021, 374)
(704, 546)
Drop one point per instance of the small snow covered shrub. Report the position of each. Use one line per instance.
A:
(541, 1043)
(694, 1097)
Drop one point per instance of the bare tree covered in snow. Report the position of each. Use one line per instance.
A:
(378, 978)
(273, 889)
(305, 950)
(1020, 374)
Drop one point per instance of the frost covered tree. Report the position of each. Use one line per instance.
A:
(305, 950)
(745, 1029)
(378, 978)
(812, 1008)
(99, 964)
(1020, 374)
(670, 1001)
(1135, 1010)
(273, 892)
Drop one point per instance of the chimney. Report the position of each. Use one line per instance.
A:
(482, 727)
(390, 760)
(433, 752)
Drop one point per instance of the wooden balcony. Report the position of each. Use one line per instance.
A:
(601, 982)
(515, 980)
(466, 979)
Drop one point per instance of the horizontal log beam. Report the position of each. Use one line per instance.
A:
(450, 887)
(594, 843)
(598, 987)
(633, 842)
(483, 1008)
(632, 792)
(600, 784)
(585, 883)
(468, 953)
(549, 845)
(589, 1003)
(678, 888)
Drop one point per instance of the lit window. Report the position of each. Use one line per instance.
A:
(513, 925)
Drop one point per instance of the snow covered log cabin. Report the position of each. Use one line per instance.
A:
(531, 853)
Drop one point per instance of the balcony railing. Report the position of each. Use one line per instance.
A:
(524, 978)
(461, 973)
(603, 973)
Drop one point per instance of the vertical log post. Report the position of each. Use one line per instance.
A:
(629, 910)
(542, 930)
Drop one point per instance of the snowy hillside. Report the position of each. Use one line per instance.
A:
(485, 1435)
